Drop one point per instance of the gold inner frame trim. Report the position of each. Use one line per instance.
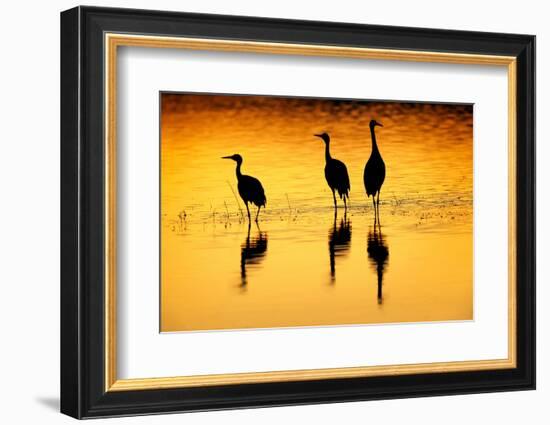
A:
(113, 41)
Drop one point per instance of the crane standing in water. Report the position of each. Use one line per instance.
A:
(375, 172)
(250, 188)
(336, 174)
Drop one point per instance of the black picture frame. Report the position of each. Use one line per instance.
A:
(83, 392)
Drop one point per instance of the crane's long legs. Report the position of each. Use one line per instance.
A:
(345, 205)
(248, 211)
(334, 197)
(257, 214)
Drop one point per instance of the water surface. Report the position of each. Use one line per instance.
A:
(301, 265)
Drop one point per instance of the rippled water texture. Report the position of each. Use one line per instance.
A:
(301, 266)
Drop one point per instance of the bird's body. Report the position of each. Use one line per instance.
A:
(375, 171)
(337, 177)
(336, 173)
(374, 174)
(250, 188)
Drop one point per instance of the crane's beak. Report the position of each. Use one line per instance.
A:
(377, 123)
(318, 135)
(227, 157)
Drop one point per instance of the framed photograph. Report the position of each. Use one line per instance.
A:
(261, 212)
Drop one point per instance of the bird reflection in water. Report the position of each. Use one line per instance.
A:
(377, 249)
(253, 251)
(339, 239)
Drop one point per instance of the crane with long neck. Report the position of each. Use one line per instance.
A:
(336, 174)
(250, 188)
(375, 171)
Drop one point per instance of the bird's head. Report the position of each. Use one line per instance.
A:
(374, 123)
(236, 157)
(323, 136)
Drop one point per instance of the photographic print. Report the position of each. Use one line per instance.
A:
(283, 212)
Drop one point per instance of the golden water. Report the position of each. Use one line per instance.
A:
(300, 266)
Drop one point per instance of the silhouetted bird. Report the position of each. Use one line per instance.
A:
(378, 252)
(336, 173)
(249, 187)
(252, 252)
(375, 172)
(339, 239)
